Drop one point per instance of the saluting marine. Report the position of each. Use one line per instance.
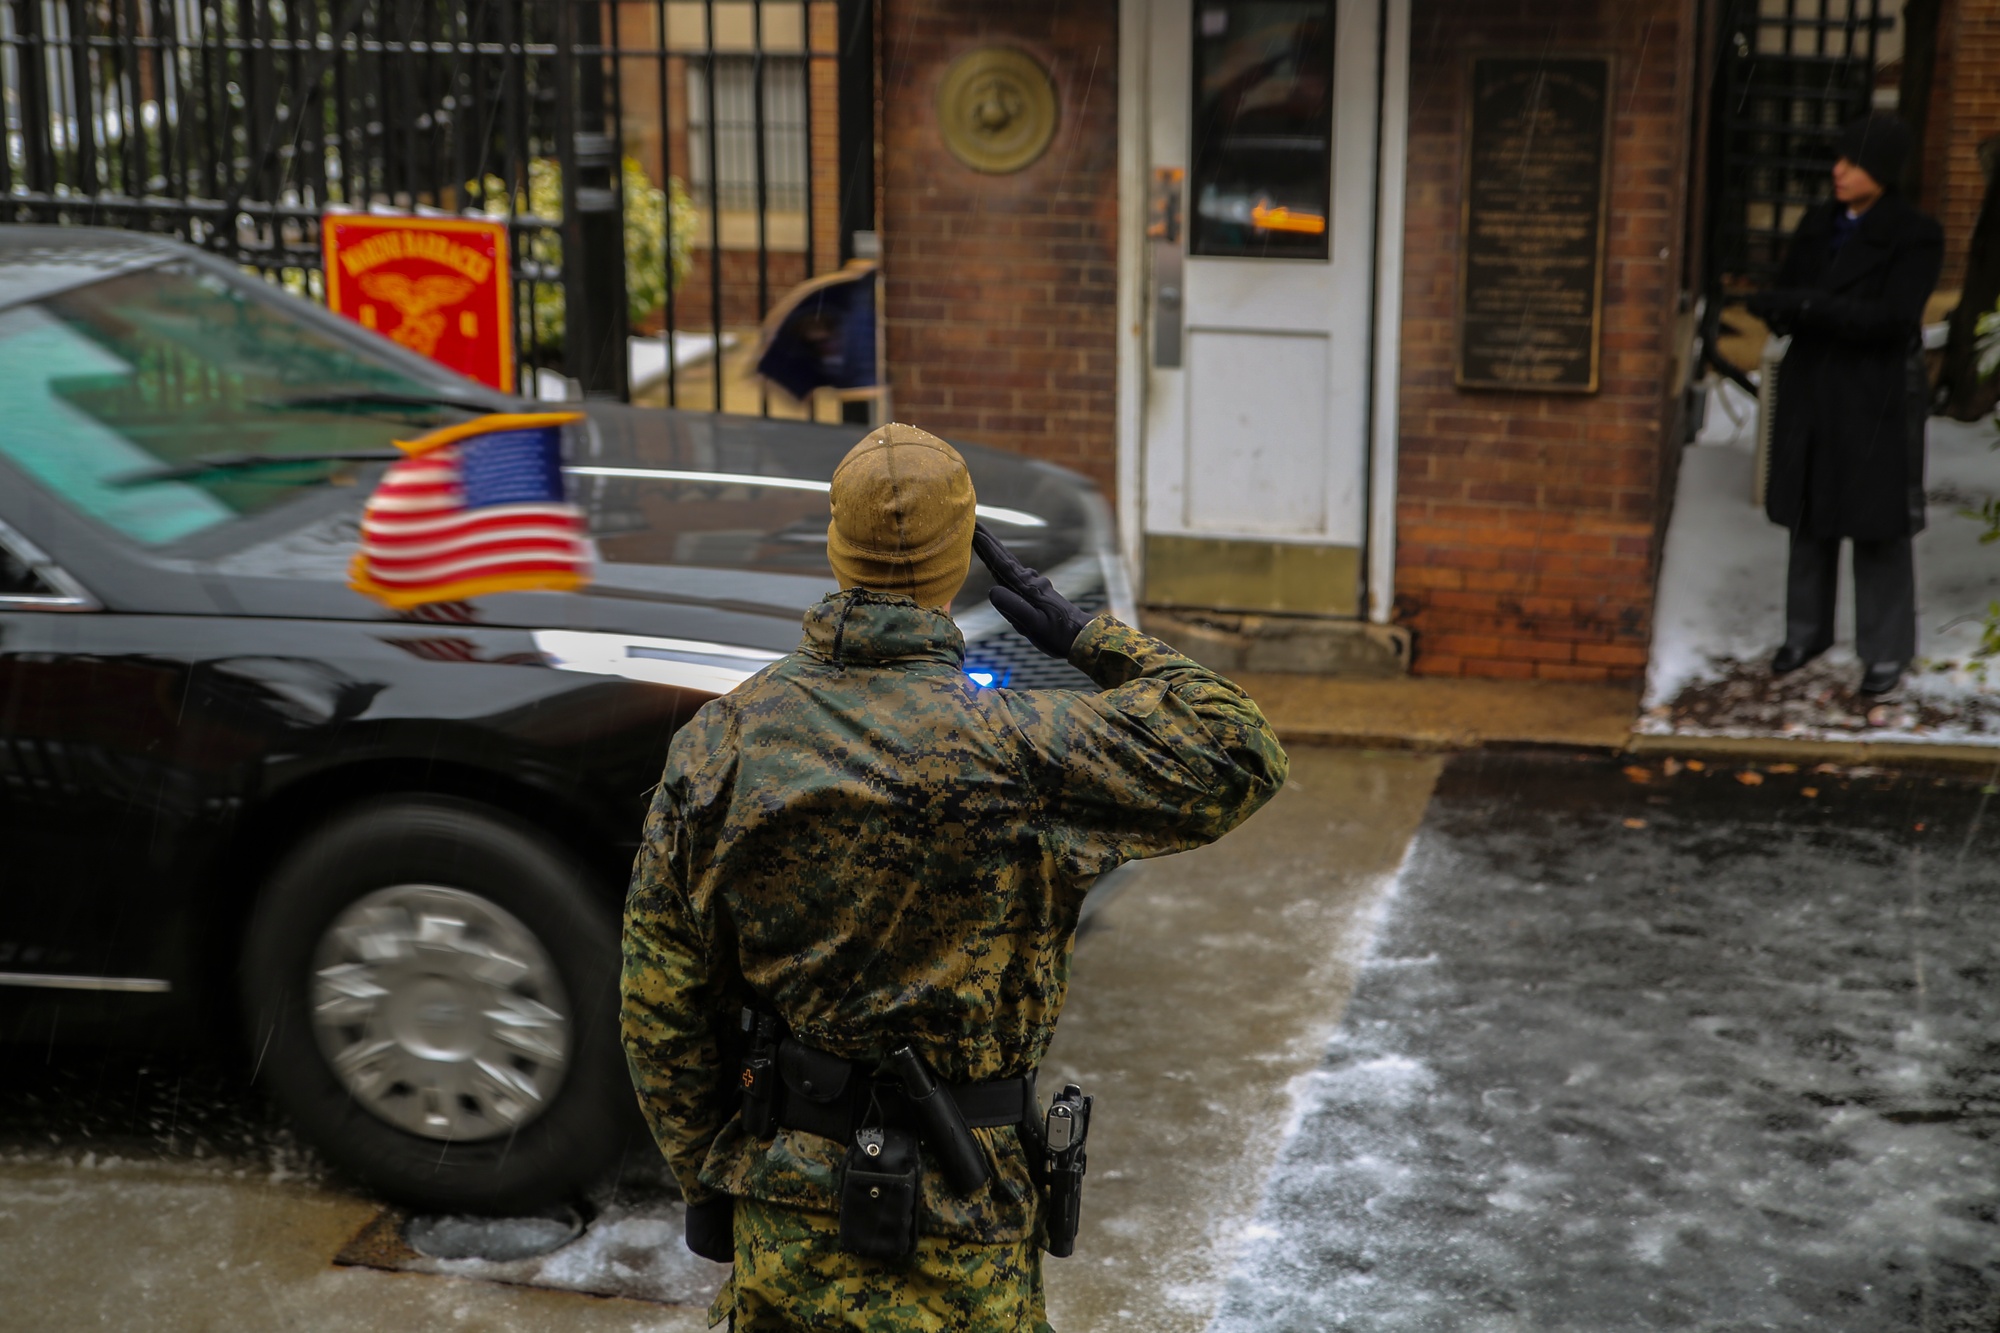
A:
(848, 934)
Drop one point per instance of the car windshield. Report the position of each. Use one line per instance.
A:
(159, 367)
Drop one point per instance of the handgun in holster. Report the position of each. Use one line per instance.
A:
(1064, 1130)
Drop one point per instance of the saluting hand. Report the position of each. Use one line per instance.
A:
(1027, 599)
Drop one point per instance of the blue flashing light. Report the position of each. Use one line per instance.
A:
(988, 678)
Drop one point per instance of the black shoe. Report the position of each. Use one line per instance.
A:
(1793, 656)
(1881, 677)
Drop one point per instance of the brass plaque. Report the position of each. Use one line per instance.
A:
(1226, 574)
(1531, 244)
(997, 109)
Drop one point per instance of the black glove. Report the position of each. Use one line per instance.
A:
(1777, 309)
(1028, 600)
(711, 1231)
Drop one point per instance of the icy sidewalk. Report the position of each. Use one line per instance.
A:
(1721, 608)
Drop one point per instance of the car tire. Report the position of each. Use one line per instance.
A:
(443, 848)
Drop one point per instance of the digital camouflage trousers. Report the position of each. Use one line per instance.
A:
(791, 1276)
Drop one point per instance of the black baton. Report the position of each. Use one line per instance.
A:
(944, 1127)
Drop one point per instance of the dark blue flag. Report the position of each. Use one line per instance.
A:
(822, 335)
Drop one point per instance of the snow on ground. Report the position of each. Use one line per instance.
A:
(632, 1249)
(1721, 605)
(1681, 1054)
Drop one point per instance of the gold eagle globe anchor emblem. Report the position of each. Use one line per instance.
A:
(997, 109)
(419, 304)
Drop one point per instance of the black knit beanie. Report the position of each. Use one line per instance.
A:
(1879, 144)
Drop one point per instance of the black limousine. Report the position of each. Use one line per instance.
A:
(387, 849)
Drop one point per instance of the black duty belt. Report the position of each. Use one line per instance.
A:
(832, 1097)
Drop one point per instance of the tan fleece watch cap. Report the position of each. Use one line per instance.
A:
(902, 516)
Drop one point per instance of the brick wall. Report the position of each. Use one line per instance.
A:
(1965, 109)
(1001, 290)
(1528, 524)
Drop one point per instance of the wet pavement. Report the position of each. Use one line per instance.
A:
(1712, 1050)
(148, 1190)
(1607, 1045)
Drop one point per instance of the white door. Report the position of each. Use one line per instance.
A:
(1261, 132)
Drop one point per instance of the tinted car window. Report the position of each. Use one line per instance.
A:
(162, 366)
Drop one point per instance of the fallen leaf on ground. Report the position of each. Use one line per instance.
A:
(1640, 823)
(1638, 774)
(1750, 778)
(1695, 765)
(1784, 768)
(1809, 792)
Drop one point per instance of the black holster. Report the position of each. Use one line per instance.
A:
(711, 1229)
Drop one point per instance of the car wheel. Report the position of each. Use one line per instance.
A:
(432, 995)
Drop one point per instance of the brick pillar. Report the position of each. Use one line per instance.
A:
(1002, 290)
(1527, 523)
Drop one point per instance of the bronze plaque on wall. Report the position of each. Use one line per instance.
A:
(1531, 253)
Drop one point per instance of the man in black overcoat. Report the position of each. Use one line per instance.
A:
(1847, 451)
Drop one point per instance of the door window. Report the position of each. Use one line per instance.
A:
(1262, 150)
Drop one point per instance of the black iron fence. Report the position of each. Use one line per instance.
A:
(1791, 74)
(666, 168)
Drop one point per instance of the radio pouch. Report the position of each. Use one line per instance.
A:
(878, 1194)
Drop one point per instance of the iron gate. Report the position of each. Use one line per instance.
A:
(669, 165)
(1792, 73)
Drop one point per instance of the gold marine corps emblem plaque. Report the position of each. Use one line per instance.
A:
(997, 109)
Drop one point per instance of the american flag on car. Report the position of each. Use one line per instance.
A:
(476, 508)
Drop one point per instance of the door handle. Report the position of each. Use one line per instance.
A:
(1163, 232)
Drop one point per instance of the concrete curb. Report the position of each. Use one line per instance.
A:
(1974, 759)
(1892, 754)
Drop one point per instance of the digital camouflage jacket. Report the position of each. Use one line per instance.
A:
(881, 852)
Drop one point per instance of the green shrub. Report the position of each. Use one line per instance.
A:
(651, 245)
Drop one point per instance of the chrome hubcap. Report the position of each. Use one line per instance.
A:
(440, 1012)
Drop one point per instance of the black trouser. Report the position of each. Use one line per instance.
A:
(1885, 596)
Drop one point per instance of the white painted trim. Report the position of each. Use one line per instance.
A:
(1393, 120)
(1131, 358)
(712, 668)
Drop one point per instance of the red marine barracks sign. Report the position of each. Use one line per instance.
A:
(438, 286)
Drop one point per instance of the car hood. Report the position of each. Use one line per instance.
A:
(708, 527)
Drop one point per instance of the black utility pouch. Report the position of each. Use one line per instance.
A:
(760, 1035)
(878, 1195)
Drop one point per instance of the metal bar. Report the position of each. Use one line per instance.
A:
(11, 53)
(214, 127)
(613, 118)
(855, 127)
(462, 115)
(131, 127)
(575, 298)
(763, 191)
(87, 179)
(296, 117)
(669, 334)
(174, 114)
(807, 61)
(714, 203)
(514, 178)
(39, 157)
